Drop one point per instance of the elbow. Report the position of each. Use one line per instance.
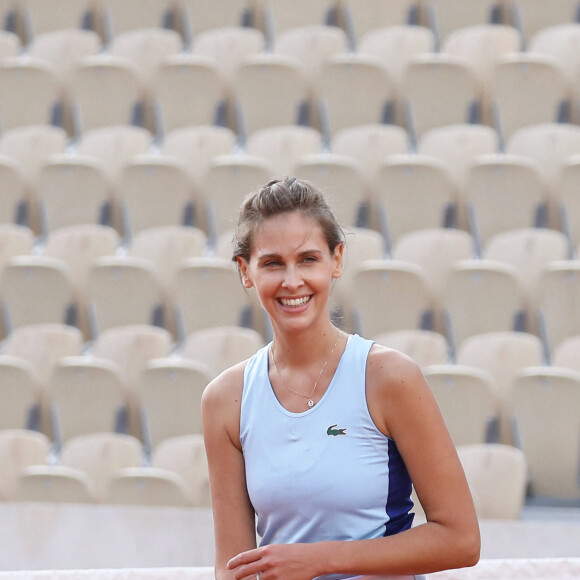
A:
(469, 549)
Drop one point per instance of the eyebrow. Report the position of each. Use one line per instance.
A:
(274, 255)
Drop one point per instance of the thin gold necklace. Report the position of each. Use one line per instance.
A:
(310, 401)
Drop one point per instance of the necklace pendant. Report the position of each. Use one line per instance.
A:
(310, 403)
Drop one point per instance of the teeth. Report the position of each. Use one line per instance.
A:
(294, 301)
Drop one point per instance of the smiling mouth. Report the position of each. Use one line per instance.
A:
(294, 302)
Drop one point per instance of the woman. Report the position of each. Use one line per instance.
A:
(320, 434)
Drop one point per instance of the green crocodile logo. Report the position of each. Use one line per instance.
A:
(334, 432)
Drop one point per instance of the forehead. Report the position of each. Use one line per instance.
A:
(287, 233)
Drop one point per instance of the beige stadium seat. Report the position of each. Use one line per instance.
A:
(15, 240)
(353, 89)
(226, 183)
(467, 401)
(518, 75)
(556, 302)
(502, 355)
(190, 90)
(312, 45)
(228, 46)
(169, 393)
(116, 16)
(275, 16)
(425, 347)
(105, 90)
(167, 247)
(54, 484)
(19, 448)
(284, 145)
(562, 43)
(36, 289)
(48, 15)
(131, 348)
(565, 353)
(72, 190)
(343, 182)
(87, 396)
(209, 293)
(446, 16)
(497, 477)
(502, 193)
(390, 295)
(567, 200)
(535, 15)
(123, 291)
(268, 90)
(436, 251)
(30, 94)
(114, 146)
(197, 16)
(439, 89)
(458, 146)
(362, 16)
(196, 146)
(545, 404)
(221, 347)
(20, 394)
(482, 45)
(32, 145)
(361, 244)
(14, 203)
(395, 46)
(101, 456)
(153, 191)
(65, 48)
(370, 145)
(10, 44)
(481, 296)
(43, 346)
(148, 486)
(186, 456)
(412, 192)
(529, 251)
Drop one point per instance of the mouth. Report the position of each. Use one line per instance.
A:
(294, 302)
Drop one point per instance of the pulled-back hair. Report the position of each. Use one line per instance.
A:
(283, 196)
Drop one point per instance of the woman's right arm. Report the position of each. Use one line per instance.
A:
(233, 514)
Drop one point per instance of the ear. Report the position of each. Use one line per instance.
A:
(337, 257)
(244, 274)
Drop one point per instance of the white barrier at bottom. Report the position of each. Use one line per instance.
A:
(516, 569)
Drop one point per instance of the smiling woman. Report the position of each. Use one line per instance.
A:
(321, 434)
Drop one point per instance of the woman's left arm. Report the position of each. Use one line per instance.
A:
(403, 408)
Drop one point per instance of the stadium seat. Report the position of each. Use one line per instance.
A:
(19, 448)
(284, 145)
(10, 44)
(497, 477)
(185, 456)
(501, 193)
(390, 295)
(15, 240)
(14, 203)
(221, 347)
(169, 394)
(567, 200)
(565, 353)
(100, 456)
(412, 192)
(425, 347)
(467, 401)
(20, 395)
(545, 402)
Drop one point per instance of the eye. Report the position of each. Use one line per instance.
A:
(271, 263)
(309, 259)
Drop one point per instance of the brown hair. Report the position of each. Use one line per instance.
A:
(283, 196)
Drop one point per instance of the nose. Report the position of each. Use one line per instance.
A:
(292, 279)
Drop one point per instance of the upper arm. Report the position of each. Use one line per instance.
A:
(404, 407)
(233, 514)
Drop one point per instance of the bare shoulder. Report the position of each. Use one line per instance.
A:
(395, 385)
(221, 402)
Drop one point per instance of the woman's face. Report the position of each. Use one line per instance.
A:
(291, 267)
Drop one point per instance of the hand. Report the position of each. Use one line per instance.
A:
(274, 562)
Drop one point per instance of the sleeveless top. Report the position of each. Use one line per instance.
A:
(327, 473)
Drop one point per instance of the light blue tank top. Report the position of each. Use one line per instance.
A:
(327, 473)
